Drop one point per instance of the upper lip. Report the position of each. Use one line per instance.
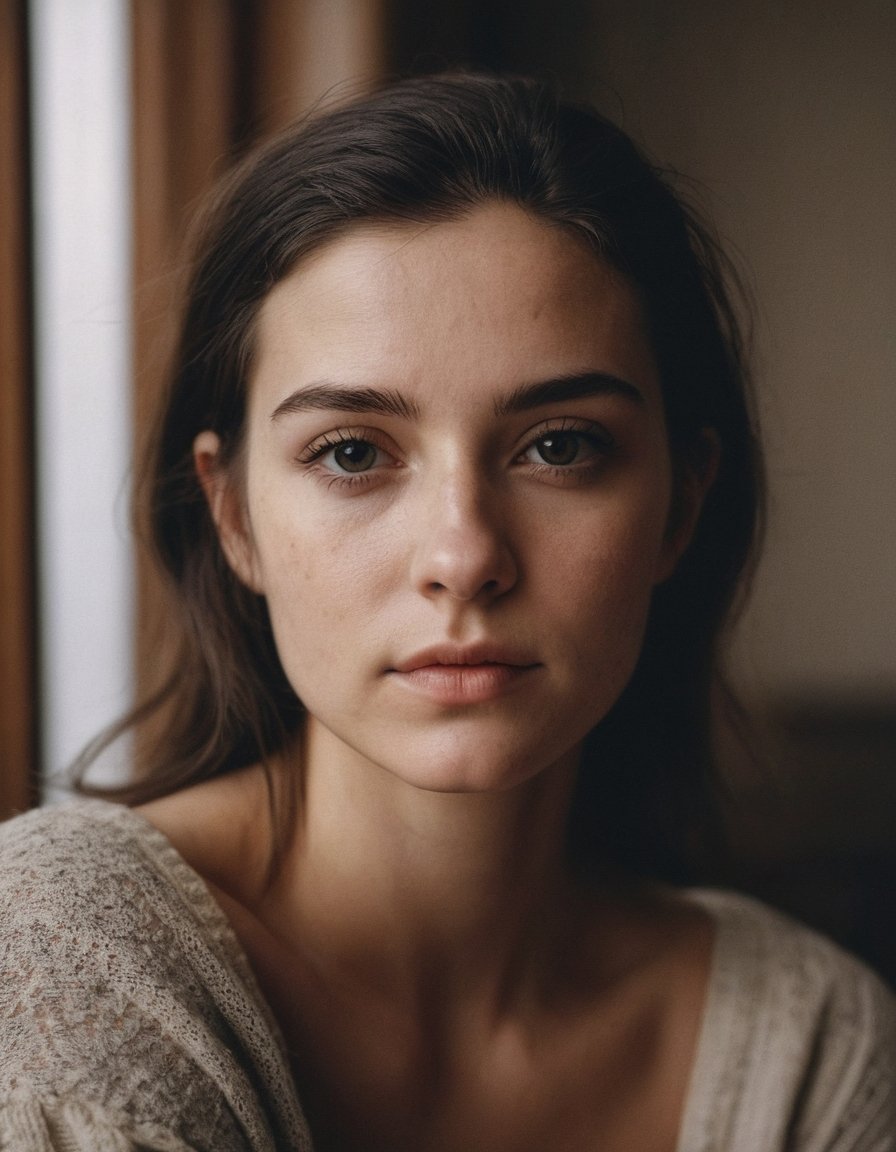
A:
(465, 654)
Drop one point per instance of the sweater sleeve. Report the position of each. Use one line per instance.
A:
(853, 1107)
(50, 1124)
(126, 1007)
(798, 1048)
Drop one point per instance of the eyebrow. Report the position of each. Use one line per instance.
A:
(389, 402)
(382, 401)
(574, 387)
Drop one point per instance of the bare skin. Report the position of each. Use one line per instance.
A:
(556, 1018)
(458, 586)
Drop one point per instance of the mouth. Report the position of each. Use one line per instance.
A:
(453, 675)
(465, 656)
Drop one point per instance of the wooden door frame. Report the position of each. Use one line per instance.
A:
(18, 658)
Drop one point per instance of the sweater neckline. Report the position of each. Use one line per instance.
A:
(706, 1074)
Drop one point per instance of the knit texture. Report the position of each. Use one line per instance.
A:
(130, 1018)
(798, 1044)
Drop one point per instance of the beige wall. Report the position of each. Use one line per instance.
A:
(786, 112)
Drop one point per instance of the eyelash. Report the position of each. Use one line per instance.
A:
(330, 440)
(595, 435)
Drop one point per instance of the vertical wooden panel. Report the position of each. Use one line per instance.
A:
(16, 570)
(308, 50)
(17, 664)
(183, 114)
(182, 101)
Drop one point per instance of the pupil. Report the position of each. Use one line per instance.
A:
(558, 448)
(355, 455)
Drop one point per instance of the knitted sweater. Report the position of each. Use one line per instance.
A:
(130, 1018)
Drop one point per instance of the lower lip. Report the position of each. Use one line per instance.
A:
(464, 683)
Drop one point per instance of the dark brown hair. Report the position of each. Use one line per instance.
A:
(431, 149)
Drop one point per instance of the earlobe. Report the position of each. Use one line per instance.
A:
(226, 508)
(694, 477)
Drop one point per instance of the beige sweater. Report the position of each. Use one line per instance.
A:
(130, 1019)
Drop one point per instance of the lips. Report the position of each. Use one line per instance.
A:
(452, 675)
(464, 656)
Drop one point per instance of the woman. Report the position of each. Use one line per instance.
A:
(455, 486)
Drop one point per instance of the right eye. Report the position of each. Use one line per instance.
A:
(352, 456)
(347, 456)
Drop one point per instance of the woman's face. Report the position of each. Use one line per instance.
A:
(455, 494)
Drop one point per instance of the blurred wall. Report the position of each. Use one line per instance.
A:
(81, 251)
(786, 114)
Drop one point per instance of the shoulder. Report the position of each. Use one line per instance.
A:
(68, 837)
(799, 1037)
(222, 828)
(94, 873)
(121, 986)
(789, 960)
(93, 940)
(66, 865)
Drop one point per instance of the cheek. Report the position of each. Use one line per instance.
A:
(603, 590)
(613, 552)
(323, 581)
(309, 619)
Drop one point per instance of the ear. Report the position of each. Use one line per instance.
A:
(227, 509)
(693, 476)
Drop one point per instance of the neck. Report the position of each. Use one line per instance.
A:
(406, 883)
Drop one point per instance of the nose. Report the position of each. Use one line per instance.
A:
(461, 547)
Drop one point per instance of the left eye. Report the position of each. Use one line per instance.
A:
(561, 449)
(353, 455)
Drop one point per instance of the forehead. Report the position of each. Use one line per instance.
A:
(495, 296)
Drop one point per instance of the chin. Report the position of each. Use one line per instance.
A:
(463, 754)
(472, 767)
(463, 780)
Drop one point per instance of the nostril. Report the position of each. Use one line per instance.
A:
(458, 590)
(462, 557)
